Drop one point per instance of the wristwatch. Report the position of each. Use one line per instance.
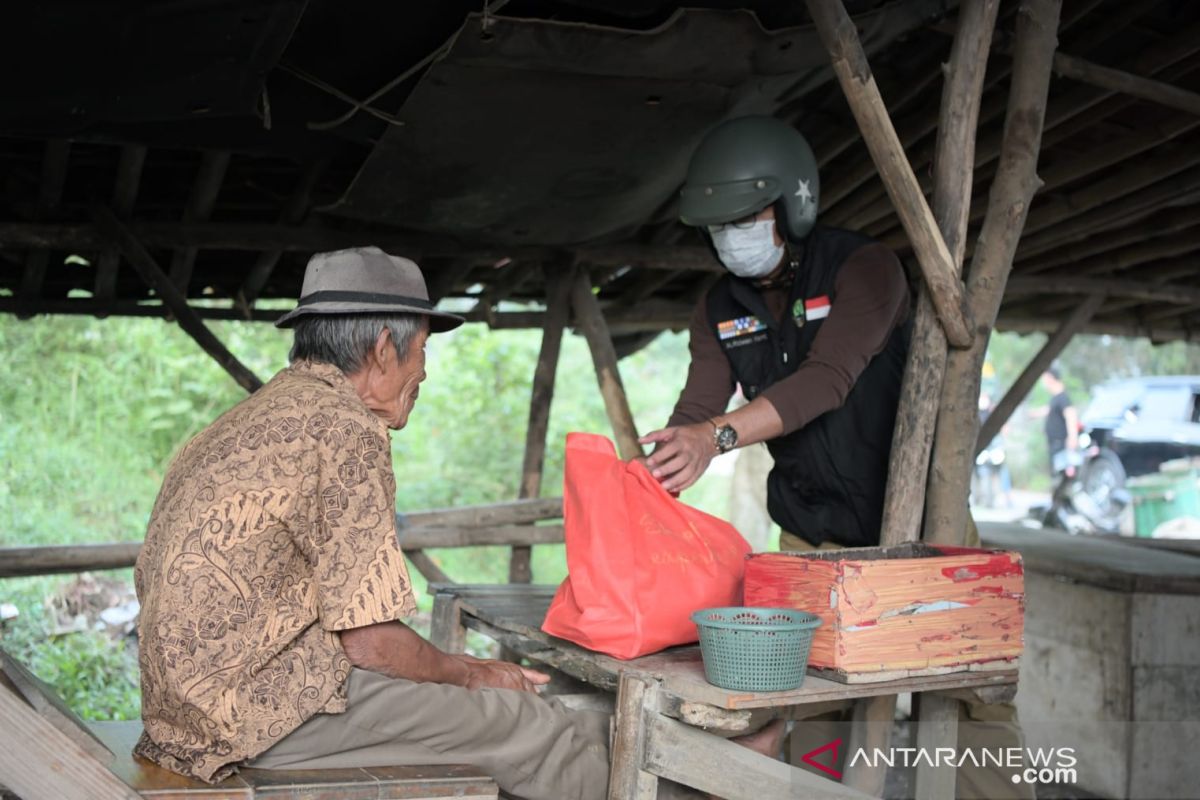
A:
(724, 437)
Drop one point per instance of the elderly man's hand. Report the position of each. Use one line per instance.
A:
(501, 675)
(682, 454)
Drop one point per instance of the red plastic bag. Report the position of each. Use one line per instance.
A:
(639, 561)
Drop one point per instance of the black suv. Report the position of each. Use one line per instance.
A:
(1138, 423)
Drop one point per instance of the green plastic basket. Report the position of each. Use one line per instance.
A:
(755, 649)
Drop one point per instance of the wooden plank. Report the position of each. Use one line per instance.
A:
(172, 297)
(590, 320)
(42, 698)
(40, 762)
(637, 699)
(840, 37)
(427, 567)
(725, 769)
(54, 559)
(937, 728)
(1025, 382)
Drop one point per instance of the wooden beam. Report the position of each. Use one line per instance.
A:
(50, 190)
(590, 320)
(292, 214)
(558, 308)
(1125, 210)
(84, 237)
(1142, 291)
(209, 178)
(1025, 382)
(937, 728)
(125, 191)
(946, 518)
(912, 442)
(19, 562)
(1116, 80)
(1169, 221)
(40, 762)
(173, 298)
(840, 37)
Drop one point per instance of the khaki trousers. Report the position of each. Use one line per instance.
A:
(535, 749)
(981, 726)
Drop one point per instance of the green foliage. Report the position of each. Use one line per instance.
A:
(95, 676)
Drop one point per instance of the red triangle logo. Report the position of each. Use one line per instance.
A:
(833, 747)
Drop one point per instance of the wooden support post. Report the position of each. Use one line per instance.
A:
(921, 390)
(446, 629)
(946, 518)
(937, 728)
(173, 298)
(1037, 365)
(590, 320)
(871, 732)
(840, 37)
(558, 307)
(125, 190)
(199, 208)
(50, 191)
(293, 213)
(637, 701)
(40, 762)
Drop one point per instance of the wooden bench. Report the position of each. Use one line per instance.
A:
(48, 753)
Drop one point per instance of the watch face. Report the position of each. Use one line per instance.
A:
(726, 438)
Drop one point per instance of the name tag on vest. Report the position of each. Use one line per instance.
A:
(742, 326)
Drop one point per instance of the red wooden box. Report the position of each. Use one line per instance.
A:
(893, 611)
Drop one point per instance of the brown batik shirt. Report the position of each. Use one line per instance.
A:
(274, 528)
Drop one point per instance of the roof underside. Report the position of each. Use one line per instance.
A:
(238, 138)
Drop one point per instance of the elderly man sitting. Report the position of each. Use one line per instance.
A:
(272, 583)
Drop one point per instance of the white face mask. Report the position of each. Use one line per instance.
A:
(748, 252)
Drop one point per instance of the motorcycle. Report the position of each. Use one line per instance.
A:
(1089, 493)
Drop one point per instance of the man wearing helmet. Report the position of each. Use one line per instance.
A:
(811, 322)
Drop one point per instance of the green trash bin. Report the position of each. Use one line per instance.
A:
(1161, 497)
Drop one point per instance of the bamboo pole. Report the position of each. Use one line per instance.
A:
(173, 298)
(1008, 203)
(1024, 383)
(558, 307)
(921, 390)
(590, 320)
(840, 37)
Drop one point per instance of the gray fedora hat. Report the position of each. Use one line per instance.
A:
(366, 280)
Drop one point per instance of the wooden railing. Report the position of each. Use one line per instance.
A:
(511, 524)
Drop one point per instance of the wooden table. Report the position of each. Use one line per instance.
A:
(662, 698)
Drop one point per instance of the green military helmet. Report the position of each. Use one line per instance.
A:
(746, 164)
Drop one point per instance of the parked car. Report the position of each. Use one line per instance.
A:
(1130, 427)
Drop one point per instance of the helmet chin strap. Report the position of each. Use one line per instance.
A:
(787, 275)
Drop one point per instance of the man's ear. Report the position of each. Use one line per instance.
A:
(384, 352)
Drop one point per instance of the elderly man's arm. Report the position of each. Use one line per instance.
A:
(396, 650)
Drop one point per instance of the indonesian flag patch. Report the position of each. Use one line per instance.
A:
(817, 307)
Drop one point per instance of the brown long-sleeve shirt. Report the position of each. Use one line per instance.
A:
(870, 299)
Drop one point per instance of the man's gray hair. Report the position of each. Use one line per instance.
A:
(344, 340)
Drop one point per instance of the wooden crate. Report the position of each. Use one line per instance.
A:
(890, 612)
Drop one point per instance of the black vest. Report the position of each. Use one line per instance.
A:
(829, 477)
